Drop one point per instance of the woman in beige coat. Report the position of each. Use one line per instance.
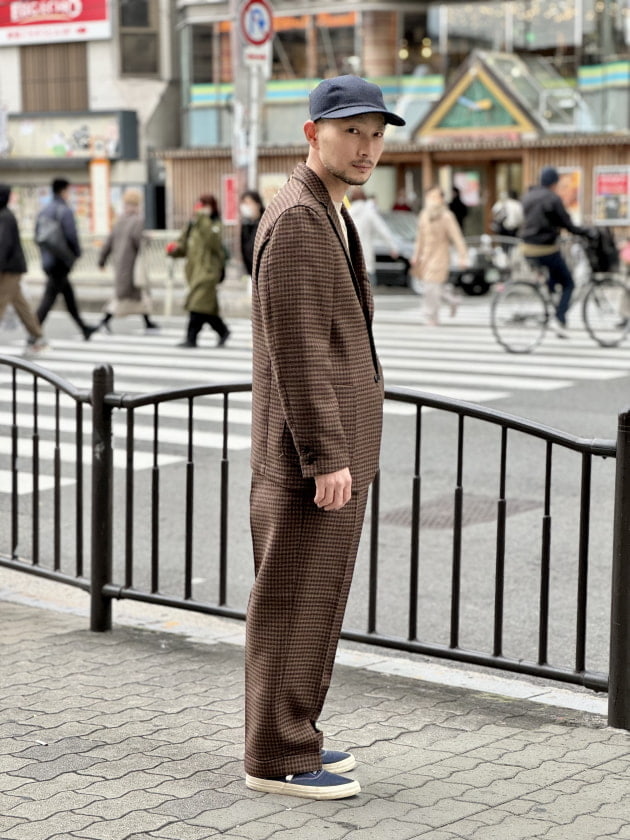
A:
(123, 246)
(437, 232)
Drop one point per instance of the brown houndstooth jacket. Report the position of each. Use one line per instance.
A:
(317, 381)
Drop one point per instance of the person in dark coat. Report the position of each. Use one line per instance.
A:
(201, 242)
(458, 208)
(12, 266)
(58, 268)
(544, 217)
(251, 208)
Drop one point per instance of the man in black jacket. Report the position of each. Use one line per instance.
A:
(544, 217)
(12, 266)
(57, 266)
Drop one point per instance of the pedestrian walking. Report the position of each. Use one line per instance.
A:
(12, 267)
(458, 208)
(437, 231)
(201, 242)
(124, 245)
(545, 217)
(58, 240)
(251, 208)
(371, 226)
(316, 426)
(507, 214)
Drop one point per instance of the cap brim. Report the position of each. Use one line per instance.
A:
(355, 110)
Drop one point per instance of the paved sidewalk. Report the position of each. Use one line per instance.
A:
(137, 734)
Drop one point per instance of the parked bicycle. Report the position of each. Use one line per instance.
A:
(523, 307)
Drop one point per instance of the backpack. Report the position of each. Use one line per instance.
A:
(49, 234)
(602, 251)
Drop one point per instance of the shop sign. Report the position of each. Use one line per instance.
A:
(111, 135)
(611, 195)
(53, 21)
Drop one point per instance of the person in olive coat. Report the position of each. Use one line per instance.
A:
(202, 244)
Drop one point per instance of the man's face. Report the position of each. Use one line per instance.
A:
(345, 151)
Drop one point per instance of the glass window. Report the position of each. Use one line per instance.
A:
(134, 13)
(139, 38)
(290, 54)
(202, 39)
(335, 49)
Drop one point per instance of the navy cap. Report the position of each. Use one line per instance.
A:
(549, 176)
(348, 96)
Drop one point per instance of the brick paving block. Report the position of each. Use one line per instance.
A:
(117, 768)
(55, 749)
(142, 822)
(249, 809)
(112, 808)
(197, 763)
(36, 789)
(547, 773)
(8, 822)
(113, 788)
(189, 807)
(176, 831)
(596, 753)
(41, 809)
(501, 791)
(444, 811)
(66, 823)
(618, 765)
(186, 748)
(389, 829)
(369, 809)
(42, 770)
(589, 827)
(126, 746)
(193, 783)
(425, 793)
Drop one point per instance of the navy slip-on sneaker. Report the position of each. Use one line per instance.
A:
(319, 784)
(338, 762)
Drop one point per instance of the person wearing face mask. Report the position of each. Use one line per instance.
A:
(202, 244)
(252, 208)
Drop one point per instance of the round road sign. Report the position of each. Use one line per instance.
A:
(256, 22)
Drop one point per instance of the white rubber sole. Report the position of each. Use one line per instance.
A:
(303, 791)
(341, 766)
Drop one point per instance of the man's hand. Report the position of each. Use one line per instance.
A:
(333, 490)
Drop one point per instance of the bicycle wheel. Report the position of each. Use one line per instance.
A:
(519, 316)
(601, 311)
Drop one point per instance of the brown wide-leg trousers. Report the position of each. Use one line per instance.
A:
(11, 292)
(304, 559)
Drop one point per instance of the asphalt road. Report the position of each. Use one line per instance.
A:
(587, 408)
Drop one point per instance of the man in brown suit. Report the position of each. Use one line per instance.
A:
(316, 429)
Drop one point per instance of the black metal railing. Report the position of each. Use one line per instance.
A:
(171, 532)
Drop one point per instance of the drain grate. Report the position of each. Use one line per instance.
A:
(438, 513)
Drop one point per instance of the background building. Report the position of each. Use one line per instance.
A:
(150, 93)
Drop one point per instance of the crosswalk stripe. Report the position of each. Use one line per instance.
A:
(459, 360)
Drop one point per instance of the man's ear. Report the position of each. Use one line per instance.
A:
(310, 132)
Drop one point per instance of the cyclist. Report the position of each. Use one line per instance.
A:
(544, 217)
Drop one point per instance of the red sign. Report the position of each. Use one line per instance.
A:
(229, 200)
(46, 21)
(613, 183)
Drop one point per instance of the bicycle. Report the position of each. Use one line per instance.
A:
(523, 307)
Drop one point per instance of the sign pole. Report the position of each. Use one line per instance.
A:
(256, 34)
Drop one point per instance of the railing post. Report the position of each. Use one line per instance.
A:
(619, 672)
(102, 494)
